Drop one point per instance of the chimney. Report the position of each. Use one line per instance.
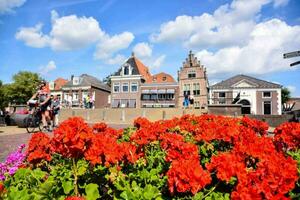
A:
(132, 54)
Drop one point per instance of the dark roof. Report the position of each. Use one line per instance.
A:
(138, 68)
(88, 80)
(257, 83)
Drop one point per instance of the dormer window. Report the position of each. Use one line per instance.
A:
(127, 70)
(76, 80)
(164, 78)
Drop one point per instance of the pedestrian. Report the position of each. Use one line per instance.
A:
(55, 106)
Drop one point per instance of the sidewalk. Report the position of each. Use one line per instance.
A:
(11, 130)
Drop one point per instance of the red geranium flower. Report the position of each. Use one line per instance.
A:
(72, 138)
(39, 148)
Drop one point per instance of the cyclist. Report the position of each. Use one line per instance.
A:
(43, 96)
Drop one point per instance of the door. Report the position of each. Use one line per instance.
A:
(267, 108)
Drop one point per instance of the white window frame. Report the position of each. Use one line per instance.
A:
(125, 83)
(129, 69)
(116, 84)
(137, 87)
(263, 96)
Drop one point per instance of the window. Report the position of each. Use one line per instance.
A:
(267, 108)
(116, 87)
(125, 87)
(154, 79)
(222, 94)
(192, 75)
(134, 87)
(196, 89)
(266, 94)
(164, 78)
(126, 70)
(145, 96)
(186, 89)
(153, 96)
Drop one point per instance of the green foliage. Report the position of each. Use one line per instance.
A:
(144, 179)
(23, 87)
(295, 193)
(285, 95)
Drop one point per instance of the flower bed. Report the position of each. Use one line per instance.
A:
(192, 157)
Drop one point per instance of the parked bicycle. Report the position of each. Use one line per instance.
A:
(33, 121)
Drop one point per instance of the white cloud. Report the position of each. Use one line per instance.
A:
(73, 32)
(44, 70)
(262, 54)
(230, 24)
(109, 45)
(142, 50)
(157, 63)
(67, 33)
(118, 59)
(33, 36)
(7, 6)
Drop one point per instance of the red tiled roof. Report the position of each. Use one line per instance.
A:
(162, 78)
(143, 70)
(59, 82)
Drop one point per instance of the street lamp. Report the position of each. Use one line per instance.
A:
(291, 55)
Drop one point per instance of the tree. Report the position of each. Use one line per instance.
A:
(285, 95)
(107, 80)
(24, 86)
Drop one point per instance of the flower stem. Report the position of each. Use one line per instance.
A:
(75, 177)
(211, 190)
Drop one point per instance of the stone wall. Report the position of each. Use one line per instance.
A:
(126, 115)
(273, 120)
(225, 109)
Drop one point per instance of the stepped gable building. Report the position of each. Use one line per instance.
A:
(160, 91)
(126, 83)
(256, 96)
(193, 82)
(79, 87)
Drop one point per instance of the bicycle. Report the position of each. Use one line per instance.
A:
(33, 121)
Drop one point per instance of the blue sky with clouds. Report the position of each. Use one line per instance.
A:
(58, 38)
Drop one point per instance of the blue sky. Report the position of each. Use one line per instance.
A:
(58, 38)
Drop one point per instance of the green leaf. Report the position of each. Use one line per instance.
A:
(82, 166)
(92, 192)
(67, 186)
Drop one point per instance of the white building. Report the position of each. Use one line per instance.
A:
(256, 96)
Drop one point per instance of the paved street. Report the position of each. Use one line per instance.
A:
(11, 137)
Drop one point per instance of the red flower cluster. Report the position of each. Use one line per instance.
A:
(39, 148)
(187, 175)
(287, 135)
(72, 138)
(261, 171)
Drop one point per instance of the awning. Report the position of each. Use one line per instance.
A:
(132, 103)
(161, 91)
(145, 91)
(170, 91)
(115, 103)
(153, 91)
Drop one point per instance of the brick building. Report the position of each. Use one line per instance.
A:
(79, 87)
(161, 91)
(256, 96)
(55, 87)
(193, 82)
